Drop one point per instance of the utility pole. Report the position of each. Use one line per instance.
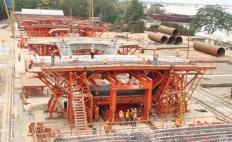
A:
(10, 15)
(91, 12)
(189, 27)
(12, 18)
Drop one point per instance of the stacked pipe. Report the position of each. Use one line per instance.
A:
(166, 35)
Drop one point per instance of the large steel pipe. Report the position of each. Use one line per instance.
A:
(158, 37)
(209, 49)
(179, 40)
(169, 30)
(171, 39)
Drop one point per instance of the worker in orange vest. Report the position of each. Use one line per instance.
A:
(96, 113)
(127, 115)
(107, 127)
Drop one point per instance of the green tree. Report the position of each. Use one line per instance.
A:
(76, 8)
(108, 10)
(135, 11)
(228, 22)
(211, 18)
(156, 8)
(19, 4)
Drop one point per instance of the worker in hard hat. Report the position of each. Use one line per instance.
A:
(178, 53)
(131, 115)
(107, 127)
(92, 51)
(105, 61)
(96, 112)
(121, 116)
(178, 122)
(155, 55)
(19, 57)
(135, 117)
(127, 115)
(53, 57)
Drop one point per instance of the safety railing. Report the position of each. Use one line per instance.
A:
(45, 62)
(204, 61)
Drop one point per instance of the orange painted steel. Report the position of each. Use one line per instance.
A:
(29, 20)
(49, 49)
(43, 49)
(50, 26)
(128, 49)
(42, 133)
(45, 30)
(161, 84)
(63, 85)
(87, 52)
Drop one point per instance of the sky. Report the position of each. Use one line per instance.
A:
(221, 2)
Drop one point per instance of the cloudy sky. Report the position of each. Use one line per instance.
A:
(222, 2)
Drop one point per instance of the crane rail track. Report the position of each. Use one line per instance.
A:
(228, 119)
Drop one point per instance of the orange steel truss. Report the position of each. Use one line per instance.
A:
(44, 49)
(128, 49)
(162, 86)
(42, 133)
(29, 20)
(51, 30)
(50, 26)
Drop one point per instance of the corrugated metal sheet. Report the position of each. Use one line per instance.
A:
(46, 12)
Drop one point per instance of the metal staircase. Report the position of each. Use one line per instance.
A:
(80, 114)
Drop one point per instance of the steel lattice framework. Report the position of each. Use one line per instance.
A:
(162, 85)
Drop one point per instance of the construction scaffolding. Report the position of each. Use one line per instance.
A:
(161, 82)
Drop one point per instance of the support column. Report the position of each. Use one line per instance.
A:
(148, 100)
(70, 107)
(113, 94)
(50, 102)
(53, 104)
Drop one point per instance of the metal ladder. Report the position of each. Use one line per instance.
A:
(182, 105)
(80, 114)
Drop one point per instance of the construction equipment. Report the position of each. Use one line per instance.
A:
(66, 78)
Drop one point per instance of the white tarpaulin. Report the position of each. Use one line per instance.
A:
(45, 12)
